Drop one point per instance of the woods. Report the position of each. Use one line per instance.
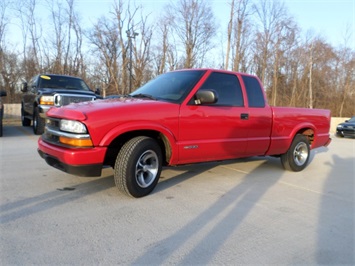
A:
(127, 47)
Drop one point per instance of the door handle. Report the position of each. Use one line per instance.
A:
(244, 116)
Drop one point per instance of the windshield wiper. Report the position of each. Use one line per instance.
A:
(142, 95)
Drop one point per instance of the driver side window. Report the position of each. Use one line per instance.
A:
(226, 87)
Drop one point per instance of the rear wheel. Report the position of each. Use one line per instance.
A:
(38, 123)
(138, 166)
(296, 158)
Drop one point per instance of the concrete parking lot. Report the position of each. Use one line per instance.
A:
(238, 212)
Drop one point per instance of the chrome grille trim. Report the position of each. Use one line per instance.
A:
(66, 134)
(61, 99)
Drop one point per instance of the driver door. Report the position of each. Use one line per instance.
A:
(215, 131)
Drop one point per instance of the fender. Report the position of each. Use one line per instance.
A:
(141, 126)
(282, 137)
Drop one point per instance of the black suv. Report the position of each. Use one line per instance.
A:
(2, 93)
(48, 90)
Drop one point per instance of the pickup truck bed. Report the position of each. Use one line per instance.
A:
(181, 117)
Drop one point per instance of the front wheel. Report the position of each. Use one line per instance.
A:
(297, 156)
(38, 123)
(138, 166)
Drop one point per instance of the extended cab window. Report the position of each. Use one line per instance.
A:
(227, 88)
(254, 92)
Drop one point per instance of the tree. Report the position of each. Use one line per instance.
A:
(346, 70)
(112, 41)
(269, 17)
(238, 35)
(193, 25)
(32, 33)
(9, 61)
(143, 53)
(65, 39)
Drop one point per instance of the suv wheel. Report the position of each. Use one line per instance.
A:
(25, 121)
(38, 123)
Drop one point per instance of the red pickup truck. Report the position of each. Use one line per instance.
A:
(180, 117)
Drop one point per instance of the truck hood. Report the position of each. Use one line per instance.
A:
(50, 91)
(102, 116)
(108, 107)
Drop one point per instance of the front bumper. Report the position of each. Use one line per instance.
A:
(81, 162)
(346, 132)
(43, 109)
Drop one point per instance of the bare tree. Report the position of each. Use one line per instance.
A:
(142, 53)
(9, 61)
(193, 24)
(229, 33)
(113, 40)
(64, 40)
(105, 40)
(4, 20)
(269, 15)
(164, 52)
(238, 34)
(346, 74)
(31, 32)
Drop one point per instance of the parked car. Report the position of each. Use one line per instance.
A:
(2, 93)
(346, 129)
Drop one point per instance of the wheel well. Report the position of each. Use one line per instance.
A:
(116, 145)
(309, 133)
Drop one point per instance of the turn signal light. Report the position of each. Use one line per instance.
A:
(76, 142)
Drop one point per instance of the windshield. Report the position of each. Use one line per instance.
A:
(62, 82)
(171, 87)
(352, 120)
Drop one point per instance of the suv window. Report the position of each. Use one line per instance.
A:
(227, 87)
(254, 92)
(62, 82)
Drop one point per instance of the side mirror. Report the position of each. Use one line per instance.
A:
(24, 87)
(205, 97)
(98, 91)
(3, 93)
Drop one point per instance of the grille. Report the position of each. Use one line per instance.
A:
(52, 124)
(65, 99)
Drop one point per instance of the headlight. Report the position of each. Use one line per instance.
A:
(339, 127)
(47, 100)
(72, 126)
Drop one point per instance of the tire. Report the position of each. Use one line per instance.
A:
(38, 123)
(340, 135)
(0, 127)
(296, 158)
(138, 166)
(25, 121)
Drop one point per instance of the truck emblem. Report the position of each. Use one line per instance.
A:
(191, 147)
